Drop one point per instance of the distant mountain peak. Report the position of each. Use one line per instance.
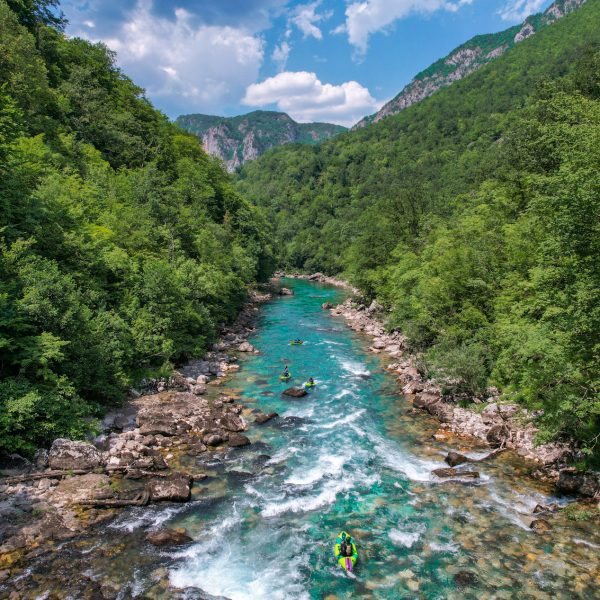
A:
(469, 57)
(236, 140)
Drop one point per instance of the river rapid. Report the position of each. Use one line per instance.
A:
(351, 455)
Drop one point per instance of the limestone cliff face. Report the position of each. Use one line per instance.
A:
(468, 58)
(237, 140)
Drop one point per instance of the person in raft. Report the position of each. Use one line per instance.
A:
(346, 547)
(286, 372)
(311, 381)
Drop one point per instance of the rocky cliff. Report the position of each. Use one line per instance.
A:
(469, 57)
(238, 139)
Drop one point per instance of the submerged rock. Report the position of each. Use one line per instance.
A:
(571, 481)
(465, 579)
(327, 306)
(295, 392)
(169, 537)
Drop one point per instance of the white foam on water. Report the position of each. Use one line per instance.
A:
(447, 547)
(327, 465)
(416, 469)
(345, 420)
(517, 508)
(343, 394)
(145, 517)
(354, 367)
(303, 504)
(282, 455)
(402, 537)
(238, 578)
(586, 543)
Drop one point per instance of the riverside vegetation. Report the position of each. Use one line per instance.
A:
(123, 246)
(473, 218)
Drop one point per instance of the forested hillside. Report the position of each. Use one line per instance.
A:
(123, 245)
(474, 218)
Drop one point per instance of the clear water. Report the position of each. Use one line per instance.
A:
(348, 456)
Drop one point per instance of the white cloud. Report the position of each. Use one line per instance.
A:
(185, 66)
(281, 54)
(518, 10)
(366, 17)
(305, 17)
(305, 98)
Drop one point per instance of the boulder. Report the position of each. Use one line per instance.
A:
(295, 392)
(541, 508)
(40, 458)
(73, 455)
(169, 537)
(496, 436)
(232, 422)
(263, 418)
(195, 449)
(175, 488)
(425, 400)
(443, 411)
(246, 347)
(540, 525)
(571, 481)
(212, 439)
(152, 424)
(237, 440)
(327, 306)
(198, 389)
(449, 472)
(454, 459)
(285, 292)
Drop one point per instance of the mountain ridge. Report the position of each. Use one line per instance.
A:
(469, 57)
(235, 140)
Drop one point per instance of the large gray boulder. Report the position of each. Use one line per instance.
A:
(175, 488)
(73, 455)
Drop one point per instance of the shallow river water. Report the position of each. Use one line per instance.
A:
(348, 456)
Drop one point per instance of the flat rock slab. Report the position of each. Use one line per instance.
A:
(295, 392)
(450, 472)
(237, 440)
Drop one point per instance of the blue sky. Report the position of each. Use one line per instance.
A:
(324, 60)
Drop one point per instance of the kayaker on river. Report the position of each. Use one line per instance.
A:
(346, 547)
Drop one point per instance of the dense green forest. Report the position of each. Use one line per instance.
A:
(123, 246)
(474, 218)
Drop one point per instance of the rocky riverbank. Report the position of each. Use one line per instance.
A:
(145, 454)
(490, 420)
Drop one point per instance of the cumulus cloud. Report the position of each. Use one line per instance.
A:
(365, 17)
(518, 10)
(305, 17)
(305, 98)
(185, 65)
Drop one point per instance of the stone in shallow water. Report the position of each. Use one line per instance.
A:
(169, 537)
(263, 418)
(237, 440)
(295, 392)
(465, 579)
(454, 459)
(540, 526)
(443, 473)
(176, 488)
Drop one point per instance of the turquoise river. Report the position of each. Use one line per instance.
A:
(351, 455)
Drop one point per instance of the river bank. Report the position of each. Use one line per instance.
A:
(143, 455)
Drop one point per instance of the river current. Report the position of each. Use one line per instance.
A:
(352, 456)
